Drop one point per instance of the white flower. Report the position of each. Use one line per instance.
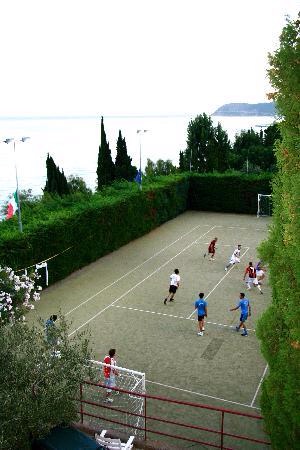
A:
(36, 296)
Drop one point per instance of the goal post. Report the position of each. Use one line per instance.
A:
(264, 205)
(131, 405)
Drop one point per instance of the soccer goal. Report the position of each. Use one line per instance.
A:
(126, 410)
(264, 205)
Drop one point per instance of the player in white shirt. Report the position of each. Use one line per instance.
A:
(174, 285)
(235, 257)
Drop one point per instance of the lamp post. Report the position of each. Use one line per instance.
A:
(8, 141)
(140, 132)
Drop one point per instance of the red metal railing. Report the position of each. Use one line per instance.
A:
(147, 418)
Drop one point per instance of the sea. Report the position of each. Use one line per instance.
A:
(73, 142)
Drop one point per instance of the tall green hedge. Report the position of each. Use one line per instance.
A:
(72, 234)
(234, 193)
(82, 233)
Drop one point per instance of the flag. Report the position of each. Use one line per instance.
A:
(12, 206)
(138, 177)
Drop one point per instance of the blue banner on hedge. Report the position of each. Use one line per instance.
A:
(138, 177)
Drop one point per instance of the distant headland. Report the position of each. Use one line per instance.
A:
(246, 109)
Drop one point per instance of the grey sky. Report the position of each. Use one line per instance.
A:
(135, 56)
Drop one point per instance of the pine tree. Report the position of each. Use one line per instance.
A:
(106, 167)
(123, 166)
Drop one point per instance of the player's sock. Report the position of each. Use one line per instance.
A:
(165, 301)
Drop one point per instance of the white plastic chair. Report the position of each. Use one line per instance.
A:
(113, 444)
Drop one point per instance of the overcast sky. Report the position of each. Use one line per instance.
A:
(135, 56)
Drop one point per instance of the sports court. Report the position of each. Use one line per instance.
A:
(119, 298)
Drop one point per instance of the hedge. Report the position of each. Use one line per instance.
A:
(76, 234)
(83, 233)
(231, 193)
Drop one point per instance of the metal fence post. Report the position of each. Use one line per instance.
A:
(145, 419)
(222, 430)
(81, 407)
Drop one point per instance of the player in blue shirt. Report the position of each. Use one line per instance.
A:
(201, 306)
(50, 330)
(244, 304)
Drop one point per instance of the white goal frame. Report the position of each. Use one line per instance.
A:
(129, 380)
(261, 213)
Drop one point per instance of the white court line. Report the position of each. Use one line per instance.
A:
(176, 317)
(220, 281)
(140, 282)
(259, 385)
(132, 270)
(202, 395)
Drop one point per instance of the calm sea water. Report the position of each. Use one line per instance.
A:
(74, 144)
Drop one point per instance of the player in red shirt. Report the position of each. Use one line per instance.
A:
(211, 249)
(110, 373)
(250, 273)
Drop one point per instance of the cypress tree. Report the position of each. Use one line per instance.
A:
(106, 167)
(124, 169)
(56, 182)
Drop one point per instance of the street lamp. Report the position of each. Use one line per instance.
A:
(8, 141)
(140, 132)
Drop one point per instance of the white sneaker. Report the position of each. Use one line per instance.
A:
(225, 269)
(200, 333)
(108, 400)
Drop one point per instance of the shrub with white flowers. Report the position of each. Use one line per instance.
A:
(17, 294)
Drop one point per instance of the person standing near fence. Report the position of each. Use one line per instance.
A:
(244, 304)
(201, 306)
(211, 249)
(235, 257)
(50, 333)
(110, 374)
(174, 285)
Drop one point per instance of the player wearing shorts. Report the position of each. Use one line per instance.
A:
(201, 306)
(235, 257)
(211, 249)
(110, 373)
(250, 276)
(244, 304)
(260, 271)
(174, 285)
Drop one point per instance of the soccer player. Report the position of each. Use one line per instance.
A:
(244, 304)
(50, 330)
(260, 271)
(211, 249)
(110, 373)
(201, 306)
(235, 257)
(250, 273)
(174, 285)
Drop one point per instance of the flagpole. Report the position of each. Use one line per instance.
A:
(18, 196)
(140, 132)
(7, 141)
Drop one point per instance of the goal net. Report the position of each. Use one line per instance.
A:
(126, 409)
(264, 205)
